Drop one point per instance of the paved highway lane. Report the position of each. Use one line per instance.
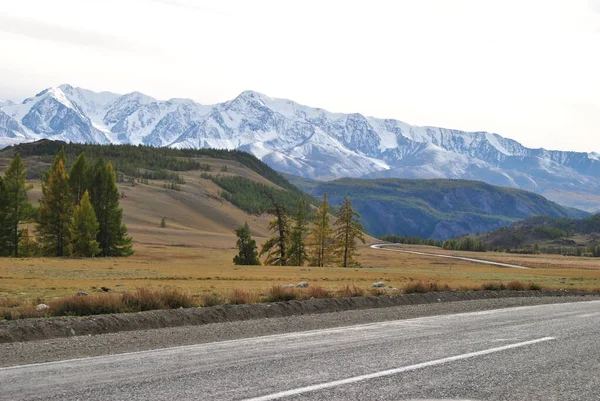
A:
(548, 352)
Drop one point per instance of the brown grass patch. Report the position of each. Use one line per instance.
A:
(239, 296)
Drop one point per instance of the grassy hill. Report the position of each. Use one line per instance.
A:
(436, 208)
(546, 233)
(179, 185)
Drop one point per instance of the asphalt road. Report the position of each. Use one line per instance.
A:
(546, 352)
(382, 247)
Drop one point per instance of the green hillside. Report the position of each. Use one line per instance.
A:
(547, 234)
(166, 164)
(435, 208)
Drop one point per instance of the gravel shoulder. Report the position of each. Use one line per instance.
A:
(54, 349)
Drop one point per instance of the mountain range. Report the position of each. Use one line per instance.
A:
(305, 141)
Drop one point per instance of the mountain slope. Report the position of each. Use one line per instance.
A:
(437, 208)
(197, 208)
(302, 140)
(547, 232)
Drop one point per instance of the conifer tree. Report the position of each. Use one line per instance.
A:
(347, 231)
(28, 247)
(56, 210)
(5, 229)
(297, 253)
(320, 238)
(247, 253)
(78, 176)
(16, 208)
(84, 229)
(104, 194)
(276, 247)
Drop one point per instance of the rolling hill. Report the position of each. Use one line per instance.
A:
(197, 215)
(438, 208)
(546, 232)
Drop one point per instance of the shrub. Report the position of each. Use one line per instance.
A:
(377, 292)
(316, 291)
(278, 294)
(515, 286)
(239, 296)
(494, 286)
(351, 291)
(420, 287)
(87, 305)
(213, 299)
(534, 287)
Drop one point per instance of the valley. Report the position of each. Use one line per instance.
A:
(194, 251)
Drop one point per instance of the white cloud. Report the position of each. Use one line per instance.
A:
(45, 31)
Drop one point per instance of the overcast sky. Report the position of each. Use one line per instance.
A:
(526, 69)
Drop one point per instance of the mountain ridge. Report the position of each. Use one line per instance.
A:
(302, 140)
(434, 208)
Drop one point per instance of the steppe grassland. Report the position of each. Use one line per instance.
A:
(194, 253)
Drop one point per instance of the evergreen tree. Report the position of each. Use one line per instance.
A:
(163, 223)
(78, 176)
(104, 194)
(56, 210)
(27, 245)
(276, 247)
(247, 254)
(320, 239)
(16, 208)
(347, 231)
(298, 254)
(84, 229)
(5, 229)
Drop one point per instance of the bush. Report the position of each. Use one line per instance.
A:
(213, 299)
(279, 294)
(534, 287)
(316, 291)
(515, 286)
(239, 296)
(420, 287)
(87, 305)
(351, 291)
(494, 286)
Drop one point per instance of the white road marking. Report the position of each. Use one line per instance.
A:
(391, 372)
(485, 262)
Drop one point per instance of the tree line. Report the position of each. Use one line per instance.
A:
(295, 241)
(78, 215)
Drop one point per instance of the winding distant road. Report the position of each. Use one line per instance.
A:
(546, 352)
(485, 262)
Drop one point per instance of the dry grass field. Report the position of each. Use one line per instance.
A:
(194, 253)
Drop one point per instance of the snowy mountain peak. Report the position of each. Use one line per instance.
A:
(302, 140)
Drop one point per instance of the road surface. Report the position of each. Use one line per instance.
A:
(546, 352)
(437, 255)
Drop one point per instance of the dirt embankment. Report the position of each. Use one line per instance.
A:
(45, 328)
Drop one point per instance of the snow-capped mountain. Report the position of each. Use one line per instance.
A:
(301, 140)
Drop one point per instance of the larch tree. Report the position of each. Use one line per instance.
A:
(276, 247)
(297, 252)
(16, 207)
(5, 229)
(247, 253)
(55, 211)
(347, 230)
(78, 176)
(320, 238)
(104, 194)
(84, 229)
